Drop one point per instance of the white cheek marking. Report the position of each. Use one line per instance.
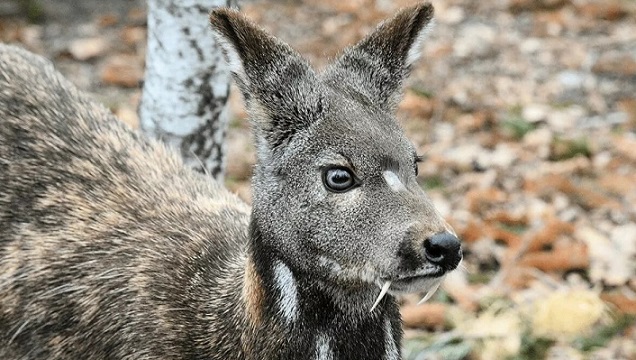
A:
(286, 284)
(323, 350)
(393, 181)
(391, 350)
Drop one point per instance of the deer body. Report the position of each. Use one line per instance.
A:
(111, 249)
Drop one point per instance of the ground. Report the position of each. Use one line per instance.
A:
(525, 111)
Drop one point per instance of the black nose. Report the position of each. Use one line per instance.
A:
(443, 249)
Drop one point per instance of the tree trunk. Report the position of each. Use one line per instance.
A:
(187, 82)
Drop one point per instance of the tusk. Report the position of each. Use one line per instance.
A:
(429, 293)
(385, 288)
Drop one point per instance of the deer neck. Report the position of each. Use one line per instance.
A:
(295, 314)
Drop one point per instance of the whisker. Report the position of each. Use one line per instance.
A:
(463, 268)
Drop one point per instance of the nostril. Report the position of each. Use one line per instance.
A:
(434, 253)
(443, 249)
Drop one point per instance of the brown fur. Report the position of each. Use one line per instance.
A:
(254, 294)
(101, 229)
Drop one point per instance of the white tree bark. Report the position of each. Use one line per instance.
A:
(187, 81)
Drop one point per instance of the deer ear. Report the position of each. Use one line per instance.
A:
(278, 85)
(250, 51)
(376, 67)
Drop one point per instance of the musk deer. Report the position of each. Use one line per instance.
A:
(110, 248)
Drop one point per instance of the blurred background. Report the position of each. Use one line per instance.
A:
(526, 114)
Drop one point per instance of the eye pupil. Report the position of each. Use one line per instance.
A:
(339, 176)
(338, 179)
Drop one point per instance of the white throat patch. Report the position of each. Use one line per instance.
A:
(286, 284)
(391, 350)
(393, 181)
(323, 350)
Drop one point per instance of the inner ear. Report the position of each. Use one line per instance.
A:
(376, 67)
(250, 51)
(398, 41)
(278, 85)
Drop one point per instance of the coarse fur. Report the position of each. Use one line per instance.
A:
(111, 249)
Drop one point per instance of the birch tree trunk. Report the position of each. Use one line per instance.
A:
(187, 82)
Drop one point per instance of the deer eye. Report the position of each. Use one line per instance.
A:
(339, 179)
